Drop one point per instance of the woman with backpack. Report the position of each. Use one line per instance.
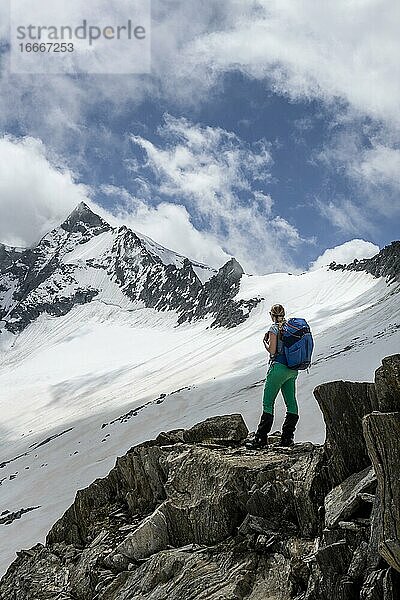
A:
(279, 378)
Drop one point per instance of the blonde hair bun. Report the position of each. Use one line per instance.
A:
(277, 310)
(277, 313)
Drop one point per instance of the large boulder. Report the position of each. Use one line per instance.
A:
(382, 434)
(343, 405)
(218, 430)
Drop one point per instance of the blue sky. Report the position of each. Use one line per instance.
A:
(268, 131)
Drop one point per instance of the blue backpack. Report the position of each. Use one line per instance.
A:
(298, 344)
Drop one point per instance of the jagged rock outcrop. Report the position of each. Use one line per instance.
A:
(40, 281)
(75, 262)
(349, 561)
(216, 298)
(8, 255)
(384, 264)
(345, 499)
(194, 514)
(83, 220)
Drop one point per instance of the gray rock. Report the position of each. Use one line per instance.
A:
(343, 405)
(382, 433)
(383, 584)
(357, 566)
(149, 538)
(387, 382)
(373, 586)
(374, 559)
(345, 499)
(36, 575)
(329, 578)
(7, 256)
(83, 219)
(135, 485)
(218, 430)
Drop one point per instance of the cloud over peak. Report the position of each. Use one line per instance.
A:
(36, 191)
(346, 253)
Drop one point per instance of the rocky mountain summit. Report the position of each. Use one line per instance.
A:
(86, 259)
(193, 514)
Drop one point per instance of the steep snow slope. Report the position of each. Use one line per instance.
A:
(82, 372)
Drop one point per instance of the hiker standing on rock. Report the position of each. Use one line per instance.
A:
(279, 378)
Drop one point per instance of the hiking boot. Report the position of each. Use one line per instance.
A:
(288, 429)
(256, 443)
(260, 439)
(286, 442)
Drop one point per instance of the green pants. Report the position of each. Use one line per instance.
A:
(280, 378)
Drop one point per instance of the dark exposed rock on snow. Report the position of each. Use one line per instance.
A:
(83, 220)
(7, 517)
(45, 279)
(384, 264)
(193, 514)
(216, 298)
(49, 439)
(7, 256)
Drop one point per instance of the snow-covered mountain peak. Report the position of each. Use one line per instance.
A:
(83, 220)
(85, 259)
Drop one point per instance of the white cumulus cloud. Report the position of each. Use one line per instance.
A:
(345, 50)
(217, 176)
(306, 49)
(168, 224)
(36, 192)
(346, 253)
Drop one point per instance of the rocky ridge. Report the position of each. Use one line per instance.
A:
(384, 264)
(194, 514)
(85, 258)
(49, 278)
